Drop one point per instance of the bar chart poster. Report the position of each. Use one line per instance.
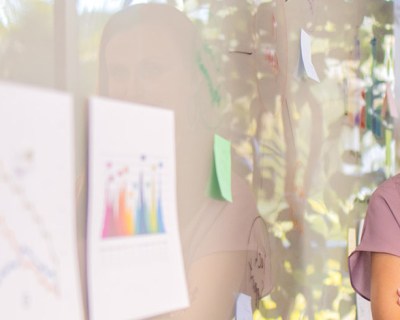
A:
(39, 277)
(133, 198)
(135, 265)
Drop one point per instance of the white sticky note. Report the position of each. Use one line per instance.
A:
(305, 47)
(243, 307)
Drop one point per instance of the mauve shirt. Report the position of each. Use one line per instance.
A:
(381, 233)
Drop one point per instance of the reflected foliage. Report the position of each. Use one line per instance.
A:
(25, 54)
(313, 152)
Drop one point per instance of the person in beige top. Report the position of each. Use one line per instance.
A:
(151, 54)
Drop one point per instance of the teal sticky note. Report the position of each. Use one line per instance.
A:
(369, 119)
(221, 177)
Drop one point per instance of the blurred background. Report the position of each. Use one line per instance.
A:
(311, 151)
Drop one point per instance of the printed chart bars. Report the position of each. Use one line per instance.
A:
(133, 199)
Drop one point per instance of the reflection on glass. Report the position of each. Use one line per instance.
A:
(152, 54)
(305, 147)
(27, 56)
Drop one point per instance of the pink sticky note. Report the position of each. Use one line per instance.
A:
(391, 102)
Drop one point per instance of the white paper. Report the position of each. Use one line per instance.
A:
(39, 275)
(244, 310)
(305, 46)
(135, 267)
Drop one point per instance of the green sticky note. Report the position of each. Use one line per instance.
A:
(220, 184)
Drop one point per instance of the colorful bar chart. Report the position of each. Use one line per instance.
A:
(133, 199)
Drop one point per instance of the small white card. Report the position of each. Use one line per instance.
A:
(305, 62)
(363, 308)
(244, 310)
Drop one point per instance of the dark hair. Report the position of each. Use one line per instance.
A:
(167, 16)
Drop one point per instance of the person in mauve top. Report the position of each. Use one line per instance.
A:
(375, 264)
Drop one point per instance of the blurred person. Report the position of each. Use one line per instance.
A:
(151, 54)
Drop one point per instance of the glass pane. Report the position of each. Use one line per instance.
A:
(306, 154)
